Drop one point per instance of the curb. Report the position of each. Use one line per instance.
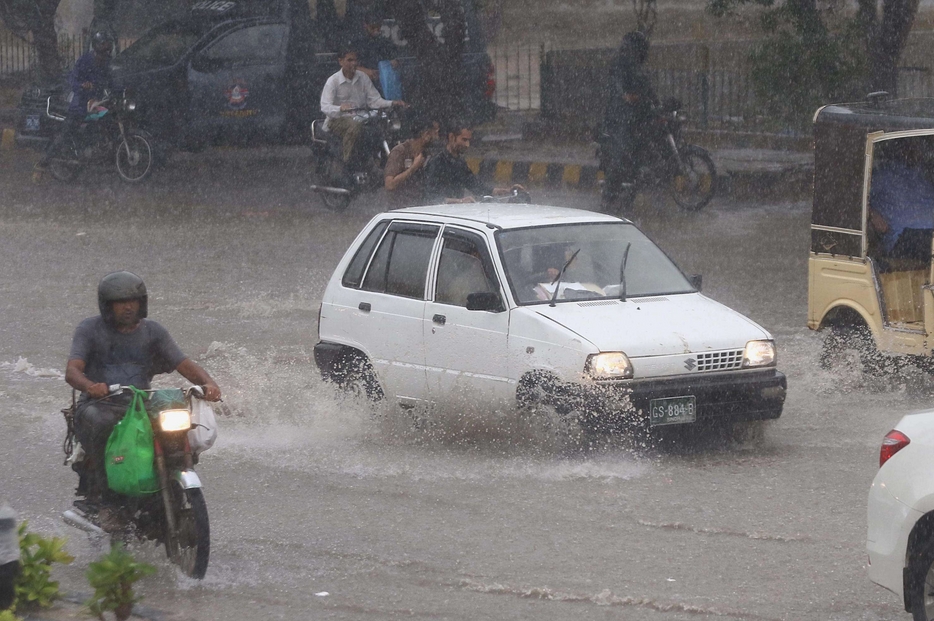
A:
(585, 177)
(793, 181)
(8, 139)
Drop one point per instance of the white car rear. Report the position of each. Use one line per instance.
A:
(900, 540)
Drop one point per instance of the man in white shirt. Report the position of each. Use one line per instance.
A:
(345, 93)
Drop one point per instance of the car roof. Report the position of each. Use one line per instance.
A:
(509, 216)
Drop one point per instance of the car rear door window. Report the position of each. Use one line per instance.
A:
(354, 274)
(400, 265)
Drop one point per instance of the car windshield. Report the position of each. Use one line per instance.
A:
(162, 47)
(534, 257)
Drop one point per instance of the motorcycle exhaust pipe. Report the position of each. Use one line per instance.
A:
(330, 190)
(73, 519)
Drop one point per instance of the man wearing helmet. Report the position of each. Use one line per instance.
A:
(88, 80)
(629, 104)
(120, 346)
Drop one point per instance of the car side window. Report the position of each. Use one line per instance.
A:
(400, 265)
(354, 274)
(465, 267)
(254, 45)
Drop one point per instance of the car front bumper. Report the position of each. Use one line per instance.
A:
(746, 395)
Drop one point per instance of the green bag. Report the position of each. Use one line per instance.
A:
(130, 455)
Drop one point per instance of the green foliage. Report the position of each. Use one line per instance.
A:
(112, 579)
(810, 56)
(7, 615)
(34, 585)
(794, 73)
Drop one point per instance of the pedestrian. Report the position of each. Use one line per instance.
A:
(626, 121)
(448, 179)
(405, 169)
(373, 48)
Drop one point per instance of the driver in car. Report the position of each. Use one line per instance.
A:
(345, 93)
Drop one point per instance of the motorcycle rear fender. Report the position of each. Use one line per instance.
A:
(188, 479)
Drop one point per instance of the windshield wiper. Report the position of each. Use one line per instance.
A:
(557, 281)
(622, 273)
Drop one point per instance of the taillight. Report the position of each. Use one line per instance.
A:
(490, 82)
(893, 442)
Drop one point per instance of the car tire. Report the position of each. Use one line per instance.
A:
(357, 378)
(920, 586)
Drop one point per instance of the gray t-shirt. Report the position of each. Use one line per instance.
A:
(9, 541)
(130, 359)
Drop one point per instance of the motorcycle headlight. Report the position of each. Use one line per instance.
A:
(609, 365)
(175, 420)
(759, 354)
(131, 106)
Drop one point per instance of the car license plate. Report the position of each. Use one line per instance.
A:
(32, 122)
(672, 411)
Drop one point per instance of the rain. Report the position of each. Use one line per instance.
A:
(326, 504)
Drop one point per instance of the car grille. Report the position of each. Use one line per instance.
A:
(720, 360)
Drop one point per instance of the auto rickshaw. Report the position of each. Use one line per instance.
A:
(870, 272)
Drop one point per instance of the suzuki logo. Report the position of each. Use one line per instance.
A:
(690, 363)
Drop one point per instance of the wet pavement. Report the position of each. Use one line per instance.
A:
(322, 507)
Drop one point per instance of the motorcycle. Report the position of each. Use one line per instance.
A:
(336, 181)
(176, 515)
(686, 170)
(107, 134)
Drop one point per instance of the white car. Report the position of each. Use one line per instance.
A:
(901, 515)
(511, 305)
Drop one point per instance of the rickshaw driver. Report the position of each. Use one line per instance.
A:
(901, 202)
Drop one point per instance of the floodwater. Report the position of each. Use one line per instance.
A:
(325, 508)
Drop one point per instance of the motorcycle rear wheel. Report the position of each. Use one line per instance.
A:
(193, 535)
(695, 185)
(134, 158)
(64, 164)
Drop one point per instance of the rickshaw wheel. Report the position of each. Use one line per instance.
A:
(840, 339)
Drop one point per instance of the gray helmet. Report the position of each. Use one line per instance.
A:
(121, 286)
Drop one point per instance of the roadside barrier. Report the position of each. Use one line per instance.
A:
(536, 173)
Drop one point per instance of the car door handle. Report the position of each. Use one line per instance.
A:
(364, 306)
(439, 319)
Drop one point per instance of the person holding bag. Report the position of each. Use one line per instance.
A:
(119, 346)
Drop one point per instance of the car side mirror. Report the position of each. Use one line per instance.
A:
(696, 281)
(485, 301)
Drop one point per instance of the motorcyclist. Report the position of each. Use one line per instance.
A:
(119, 346)
(88, 80)
(626, 122)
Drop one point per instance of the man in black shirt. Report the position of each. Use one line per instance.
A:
(372, 48)
(447, 176)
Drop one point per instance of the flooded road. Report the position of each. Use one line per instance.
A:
(468, 517)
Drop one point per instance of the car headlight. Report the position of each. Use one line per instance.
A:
(175, 420)
(609, 365)
(759, 354)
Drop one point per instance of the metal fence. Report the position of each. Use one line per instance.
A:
(713, 98)
(18, 56)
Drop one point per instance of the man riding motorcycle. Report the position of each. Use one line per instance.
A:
(119, 346)
(626, 128)
(88, 80)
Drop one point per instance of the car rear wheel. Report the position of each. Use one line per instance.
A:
(921, 584)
